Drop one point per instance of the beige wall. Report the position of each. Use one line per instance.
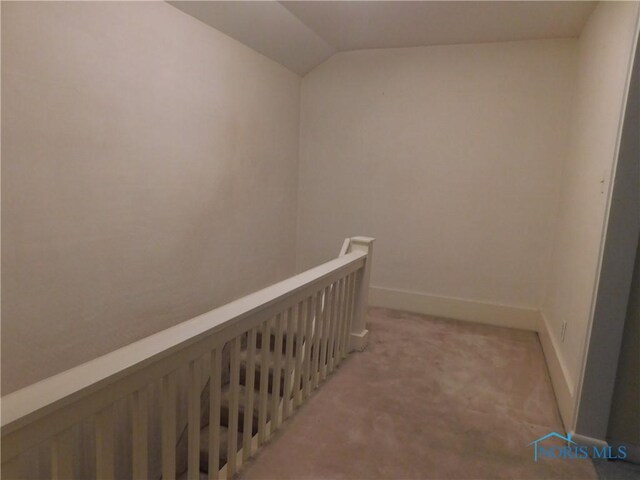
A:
(149, 174)
(605, 48)
(614, 295)
(449, 155)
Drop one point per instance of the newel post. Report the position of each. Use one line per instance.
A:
(359, 333)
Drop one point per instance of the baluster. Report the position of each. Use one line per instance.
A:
(354, 303)
(343, 326)
(61, 457)
(288, 370)
(339, 322)
(193, 454)
(263, 435)
(347, 317)
(332, 328)
(336, 326)
(338, 332)
(347, 293)
(277, 367)
(341, 319)
(354, 293)
(249, 387)
(139, 427)
(326, 324)
(308, 340)
(215, 375)
(104, 444)
(169, 426)
(232, 442)
(299, 339)
(316, 343)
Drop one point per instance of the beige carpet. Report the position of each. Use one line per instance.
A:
(429, 398)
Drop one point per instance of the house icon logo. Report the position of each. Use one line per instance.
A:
(536, 442)
(570, 450)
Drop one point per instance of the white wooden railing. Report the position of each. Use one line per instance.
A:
(314, 319)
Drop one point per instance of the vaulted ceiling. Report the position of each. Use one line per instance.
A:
(302, 34)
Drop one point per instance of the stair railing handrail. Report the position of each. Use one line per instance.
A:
(42, 411)
(344, 250)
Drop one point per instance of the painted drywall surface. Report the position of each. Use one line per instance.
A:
(605, 47)
(449, 155)
(149, 174)
(612, 299)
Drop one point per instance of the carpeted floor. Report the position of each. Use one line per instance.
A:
(429, 398)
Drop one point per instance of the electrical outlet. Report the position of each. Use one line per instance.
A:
(563, 330)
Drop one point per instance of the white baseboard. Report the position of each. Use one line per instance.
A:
(490, 314)
(457, 308)
(588, 441)
(562, 384)
(359, 341)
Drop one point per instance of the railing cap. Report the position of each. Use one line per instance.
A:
(45, 396)
(363, 240)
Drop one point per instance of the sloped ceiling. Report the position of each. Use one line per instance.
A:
(267, 27)
(302, 34)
